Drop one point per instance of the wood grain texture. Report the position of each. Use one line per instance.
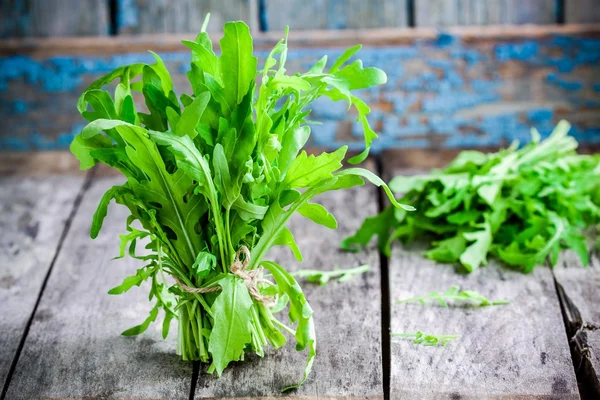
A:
(32, 217)
(40, 48)
(39, 164)
(519, 350)
(580, 297)
(74, 348)
(582, 11)
(162, 16)
(347, 318)
(335, 14)
(44, 18)
(484, 12)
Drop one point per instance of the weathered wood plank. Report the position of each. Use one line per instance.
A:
(582, 11)
(347, 318)
(335, 14)
(20, 18)
(515, 351)
(580, 296)
(33, 214)
(74, 349)
(443, 91)
(519, 350)
(486, 12)
(153, 16)
(40, 48)
(38, 164)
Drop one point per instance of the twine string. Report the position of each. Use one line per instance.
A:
(238, 268)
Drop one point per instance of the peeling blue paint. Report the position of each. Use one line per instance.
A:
(516, 51)
(427, 92)
(563, 83)
(540, 115)
(445, 40)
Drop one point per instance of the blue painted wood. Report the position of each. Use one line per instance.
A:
(442, 93)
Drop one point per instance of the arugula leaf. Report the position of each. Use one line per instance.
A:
(520, 205)
(427, 339)
(318, 214)
(300, 311)
(475, 254)
(231, 330)
(454, 293)
(238, 65)
(323, 277)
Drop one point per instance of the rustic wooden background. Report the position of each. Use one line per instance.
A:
(60, 330)
(452, 82)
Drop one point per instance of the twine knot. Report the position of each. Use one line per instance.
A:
(250, 277)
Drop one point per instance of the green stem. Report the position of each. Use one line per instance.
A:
(230, 248)
(190, 342)
(283, 326)
(216, 210)
(258, 325)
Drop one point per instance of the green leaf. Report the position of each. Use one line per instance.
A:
(204, 263)
(293, 141)
(455, 294)
(379, 225)
(204, 56)
(346, 55)
(306, 170)
(324, 277)
(300, 311)
(141, 328)
(377, 181)
(285, 238)
(135, 280)
(191, 115)
(248, 210)
(318, 214)
(102, 209)
(448, 250)
(475, 254)
(231, 330)
(238, 65)
(82, 149)
(129, 71)
(229, 192)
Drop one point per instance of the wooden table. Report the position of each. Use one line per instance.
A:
(59, 330)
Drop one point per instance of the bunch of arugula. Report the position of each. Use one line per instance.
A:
(520, 205)
(216, 170)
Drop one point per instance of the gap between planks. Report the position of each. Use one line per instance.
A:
(85, 186)
(575, 285)
(506, 367)
(386, 316)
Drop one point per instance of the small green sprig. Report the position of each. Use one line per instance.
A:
(323, 277)
(455, 294)
(427, 339)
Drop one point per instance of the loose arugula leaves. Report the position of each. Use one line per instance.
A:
(324, 277)
(521, 206)
(216, 170)
(456, 295)
(427, 339)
